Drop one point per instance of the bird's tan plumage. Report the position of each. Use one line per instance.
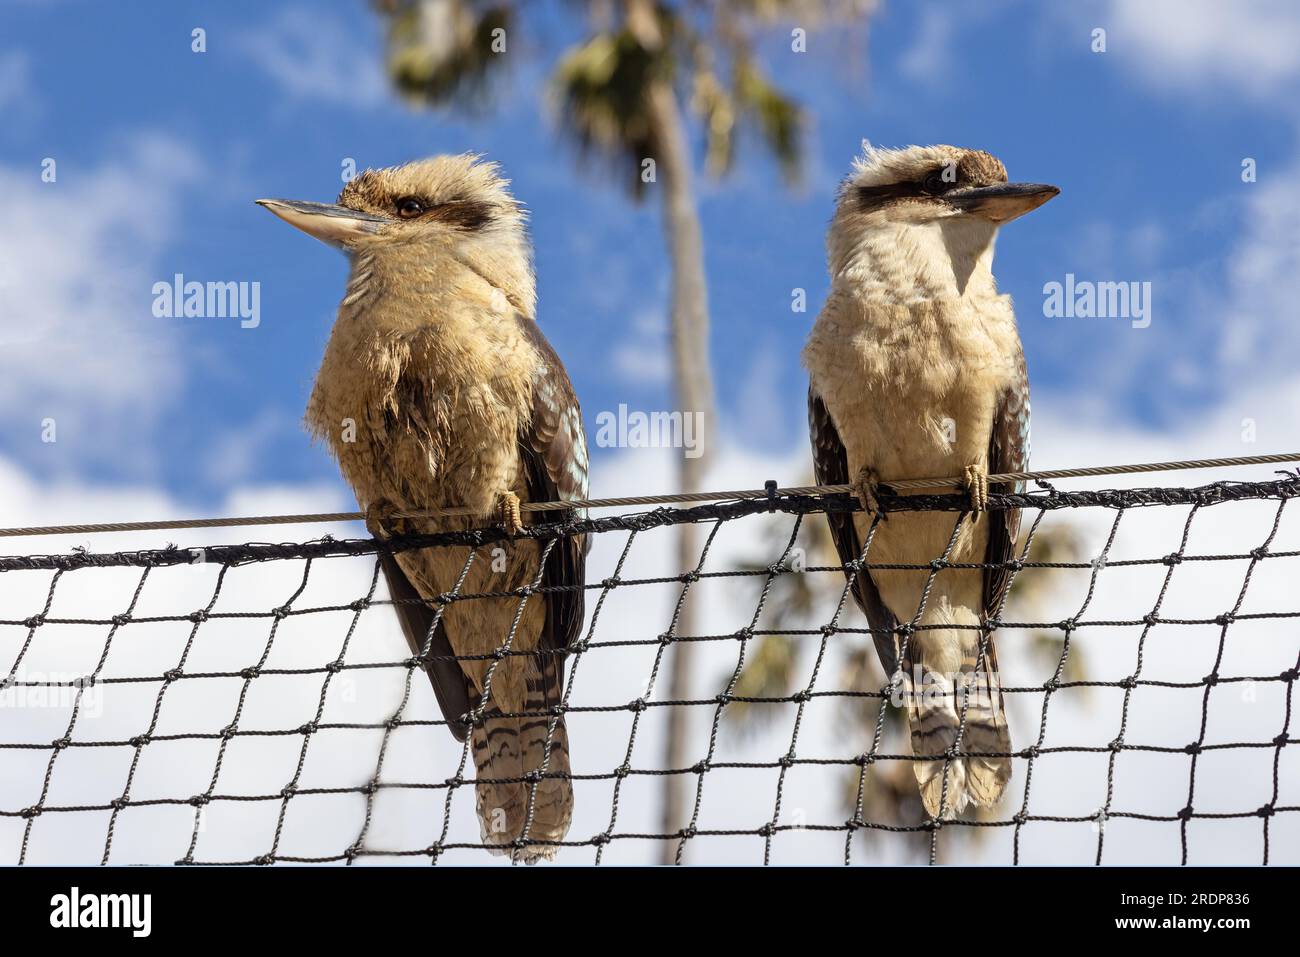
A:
(915, 370)
(437, 390)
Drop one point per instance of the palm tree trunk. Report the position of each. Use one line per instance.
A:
(693, 382)
(694, 397)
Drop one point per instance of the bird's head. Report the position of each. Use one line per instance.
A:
(445, 206)
(949, 200)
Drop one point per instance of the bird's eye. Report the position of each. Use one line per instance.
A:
(935, 184)
(409, 208)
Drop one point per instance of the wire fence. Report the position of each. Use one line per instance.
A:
(139, 728)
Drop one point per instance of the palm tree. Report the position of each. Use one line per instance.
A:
(624, 94)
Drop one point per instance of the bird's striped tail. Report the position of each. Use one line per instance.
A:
(518, 758)
(935, 699)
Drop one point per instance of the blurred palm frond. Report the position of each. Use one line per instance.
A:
(440, 52)
(1031, 596)
(599, 89)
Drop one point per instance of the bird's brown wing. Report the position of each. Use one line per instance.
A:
(554, 451)
(1008, 452)
(831, 465)
(450, 685)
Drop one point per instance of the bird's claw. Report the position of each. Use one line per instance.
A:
(977, 487)
(511, 515)
(382, 519)
(867, 489)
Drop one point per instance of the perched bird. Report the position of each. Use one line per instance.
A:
(438, 390)
(916, 371)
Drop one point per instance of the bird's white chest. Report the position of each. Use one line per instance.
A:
(912, 388)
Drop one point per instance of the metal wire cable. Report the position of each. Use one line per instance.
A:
(633, 501)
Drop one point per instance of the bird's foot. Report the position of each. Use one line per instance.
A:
(508, 509)
(867, 489)
(977, 487)
(383, 520)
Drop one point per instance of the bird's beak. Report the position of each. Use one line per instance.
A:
(1001, 203)
(335, 225)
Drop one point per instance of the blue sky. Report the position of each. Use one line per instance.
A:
(160, 152)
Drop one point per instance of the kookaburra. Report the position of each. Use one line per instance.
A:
(916, 371)
(438, 390)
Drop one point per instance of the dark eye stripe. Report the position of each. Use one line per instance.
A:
(463, 213)
(874, 197)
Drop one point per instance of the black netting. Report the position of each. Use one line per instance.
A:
(221, 731)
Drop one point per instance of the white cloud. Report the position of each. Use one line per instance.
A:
(78, 258)
(1233, 312)
(1239, 315)
(933, 53)
(1246, 47)
(643, 357)
(1100, 249)
(1263, 276)
(234, 455)
(16, 88)
(763, 408)
(929, 58)
(315, 57)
